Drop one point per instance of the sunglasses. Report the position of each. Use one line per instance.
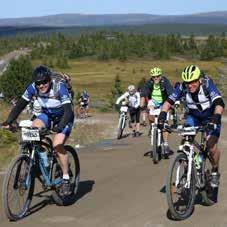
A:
(155, 77)
(38, 83)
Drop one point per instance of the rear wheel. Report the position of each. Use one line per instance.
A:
(180, 197)
(74, 175)
(18, 188)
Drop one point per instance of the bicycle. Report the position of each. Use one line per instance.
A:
(189, 174)
(157, 142)
(19, 181)
(122, 120)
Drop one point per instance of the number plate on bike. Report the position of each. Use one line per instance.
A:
(124, 108)
(30, 134)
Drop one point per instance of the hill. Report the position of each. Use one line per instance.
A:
(63, 20)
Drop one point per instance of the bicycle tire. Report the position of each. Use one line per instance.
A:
(18, 187)
(74, 174)
(172, 189)
(155, 149)
(120, 128)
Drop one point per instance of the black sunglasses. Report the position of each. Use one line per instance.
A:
(38, 83)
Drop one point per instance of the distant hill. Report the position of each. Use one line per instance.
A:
(63, 20)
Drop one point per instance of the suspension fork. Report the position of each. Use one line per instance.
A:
(190, 163)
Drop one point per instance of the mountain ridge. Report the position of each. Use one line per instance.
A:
(77, 19)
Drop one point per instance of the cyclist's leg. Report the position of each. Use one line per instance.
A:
(58, 142)
(133, 124)
(212, 141)
(41, 121)
(137, 116)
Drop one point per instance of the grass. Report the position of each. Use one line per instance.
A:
(98, 77)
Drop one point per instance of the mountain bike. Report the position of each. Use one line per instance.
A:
(19, 181)
(122, 121)
(157, 142)
(189, 174)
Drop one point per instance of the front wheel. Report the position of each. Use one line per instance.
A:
(155, 148)
(180, 196)
(120, 128)
(18, 188)
(74, 175)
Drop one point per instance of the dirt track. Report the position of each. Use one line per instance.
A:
(120, 187)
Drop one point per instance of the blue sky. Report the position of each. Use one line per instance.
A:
(28, 8)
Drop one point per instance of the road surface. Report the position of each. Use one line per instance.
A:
(120, 187)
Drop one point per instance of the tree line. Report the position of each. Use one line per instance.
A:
(57, 48)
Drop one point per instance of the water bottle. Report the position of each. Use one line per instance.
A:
(44, 158)
(198, 160)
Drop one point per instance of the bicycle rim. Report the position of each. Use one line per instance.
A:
(180, 198)
(17, 193)
(74, 174)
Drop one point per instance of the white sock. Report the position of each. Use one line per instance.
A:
(66, 176)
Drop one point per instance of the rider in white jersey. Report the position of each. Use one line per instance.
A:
(133, 98)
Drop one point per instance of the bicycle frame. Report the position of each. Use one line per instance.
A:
(188, 147)
(35, 159)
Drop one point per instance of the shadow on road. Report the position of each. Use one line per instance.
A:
(84, 188)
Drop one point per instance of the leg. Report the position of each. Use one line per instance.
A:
(58, 143)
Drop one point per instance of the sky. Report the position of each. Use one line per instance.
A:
(31, 8)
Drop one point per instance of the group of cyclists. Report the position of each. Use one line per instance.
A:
(202, 101)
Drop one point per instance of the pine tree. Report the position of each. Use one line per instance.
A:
(15, 79)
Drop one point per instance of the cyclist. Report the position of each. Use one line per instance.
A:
(84, 101)
(133, 98)
(204, 105)
(56, 113)
(156, 90)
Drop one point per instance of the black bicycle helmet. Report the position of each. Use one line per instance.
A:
(41, 73)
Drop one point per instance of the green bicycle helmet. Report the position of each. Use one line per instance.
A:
(156, 71)
(190, 73)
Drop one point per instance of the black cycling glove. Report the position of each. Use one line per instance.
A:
(161, 119)
(215, 119)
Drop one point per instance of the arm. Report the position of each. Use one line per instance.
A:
(15, 112)
(21, 104)
(67, 117)
(122, 97)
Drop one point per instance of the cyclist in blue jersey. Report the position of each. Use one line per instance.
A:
(204, 105)
(56, 113)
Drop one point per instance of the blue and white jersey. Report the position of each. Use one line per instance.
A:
(200, 103)
(52, 101)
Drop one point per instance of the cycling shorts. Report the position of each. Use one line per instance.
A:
(190, 120)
